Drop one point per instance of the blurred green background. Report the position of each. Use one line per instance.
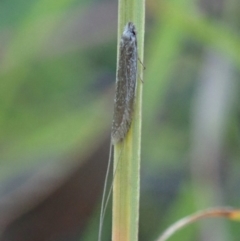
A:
(57, 76)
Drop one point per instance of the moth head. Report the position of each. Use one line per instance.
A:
(129, 32)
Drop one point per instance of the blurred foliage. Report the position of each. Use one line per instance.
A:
(57, 79)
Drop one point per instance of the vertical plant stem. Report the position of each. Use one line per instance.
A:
(127, 153)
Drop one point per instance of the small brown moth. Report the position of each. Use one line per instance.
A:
(125, 84)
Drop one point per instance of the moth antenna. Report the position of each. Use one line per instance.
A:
(104, 194)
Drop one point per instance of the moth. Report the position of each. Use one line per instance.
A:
(125, 84)
(125, 92)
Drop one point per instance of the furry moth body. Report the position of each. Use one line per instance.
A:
(126, 84)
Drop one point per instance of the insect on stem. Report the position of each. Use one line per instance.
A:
(124, 101)
(126, 83)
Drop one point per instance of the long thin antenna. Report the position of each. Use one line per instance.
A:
(105, 201)
(104, 194)
(111, 187)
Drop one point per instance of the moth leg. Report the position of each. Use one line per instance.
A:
(143, 69)
(141, 63)
(140, 78)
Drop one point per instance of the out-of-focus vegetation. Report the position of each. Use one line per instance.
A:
(57, 74)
